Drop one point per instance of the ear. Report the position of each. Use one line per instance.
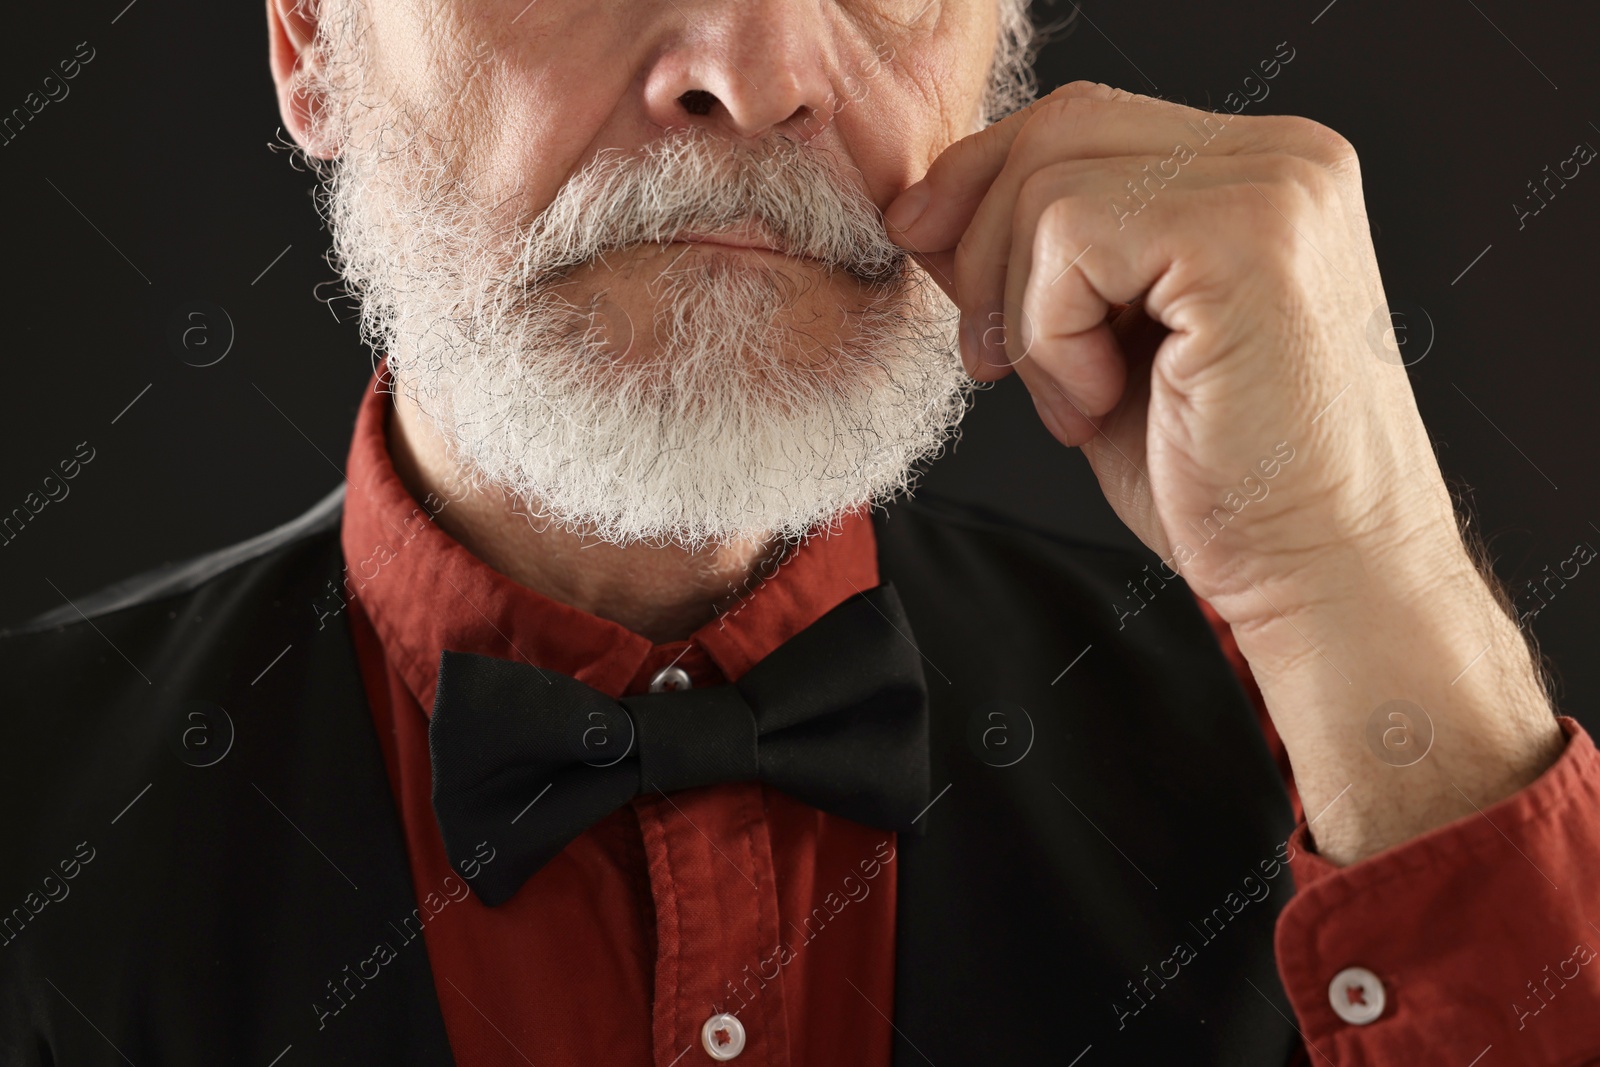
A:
(292, 34)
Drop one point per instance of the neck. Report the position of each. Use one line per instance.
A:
(662, 593)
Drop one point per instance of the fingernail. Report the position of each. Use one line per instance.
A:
(907, 208)
(1066, 411)
(1064, 402)
(1047, 416)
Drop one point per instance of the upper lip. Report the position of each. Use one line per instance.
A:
(744, 235)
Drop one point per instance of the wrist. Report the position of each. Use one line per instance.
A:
(1428, 577)
(1405, 695)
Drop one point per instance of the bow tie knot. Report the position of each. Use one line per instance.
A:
(687, 738)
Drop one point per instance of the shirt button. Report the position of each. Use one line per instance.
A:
(671, 677)
(1356, 995)
(723, 1036)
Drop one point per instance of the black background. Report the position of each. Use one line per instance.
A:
(154, 184)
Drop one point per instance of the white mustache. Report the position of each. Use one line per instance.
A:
(691, 181)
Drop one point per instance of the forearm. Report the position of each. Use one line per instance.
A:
(1476, 726)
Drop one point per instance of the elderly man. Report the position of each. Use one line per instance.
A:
(620, 709)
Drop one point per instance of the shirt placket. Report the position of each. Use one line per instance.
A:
(718, 977)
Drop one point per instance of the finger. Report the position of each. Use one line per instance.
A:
(1070, 281)
(1076, 378)
(1066, 423)
(931, 214)
(1072, 421)
(1119, 452)
(940, 206)
(1159, 138)
(1081, 120)
(1074, 258)
(1072, 344)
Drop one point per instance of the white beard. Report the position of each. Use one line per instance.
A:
(722, 419)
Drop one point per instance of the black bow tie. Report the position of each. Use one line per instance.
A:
(527, 759)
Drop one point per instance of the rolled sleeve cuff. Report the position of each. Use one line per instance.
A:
(1480, 934)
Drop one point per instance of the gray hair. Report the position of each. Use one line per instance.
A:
(1012, 83)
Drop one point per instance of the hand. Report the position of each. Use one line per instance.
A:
(1190, 298)
(1253, 281)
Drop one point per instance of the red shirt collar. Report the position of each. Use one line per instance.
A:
(424, 592)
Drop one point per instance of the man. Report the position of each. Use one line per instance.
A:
(601, 718)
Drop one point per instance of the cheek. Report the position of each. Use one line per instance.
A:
(961, 57)
(541, 123)
(527, 93)
(916, 105)
(942, 75)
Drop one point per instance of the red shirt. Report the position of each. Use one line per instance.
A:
(738, 898)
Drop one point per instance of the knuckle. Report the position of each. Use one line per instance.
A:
(1318, 143)
(1055, 122)
(1270, 210)
(1059, 217)
(1291, 169)
(1298, 184)
(1047, 200)
(1083, 88)
(1034, 197)
(1080, 88)
(1275, 242)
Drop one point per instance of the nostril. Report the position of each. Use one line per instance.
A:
(698, 102)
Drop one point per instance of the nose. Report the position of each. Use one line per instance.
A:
(746, 67)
